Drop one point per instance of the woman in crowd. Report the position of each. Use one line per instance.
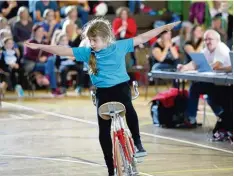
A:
(39, 61)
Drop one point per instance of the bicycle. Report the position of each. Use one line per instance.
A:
(123, 146)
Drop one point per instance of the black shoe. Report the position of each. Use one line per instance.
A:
(140, 152)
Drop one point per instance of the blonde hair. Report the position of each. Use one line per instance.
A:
(98, 27)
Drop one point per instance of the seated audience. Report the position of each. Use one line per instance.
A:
(39, 61)
(6, 33)
(10, 63)
(49, 24)
(4, 23)
(183, 37)
(217, 55)
(124, 27)
(165, 53)
(82, 7)
(66, 64)
(217, 26)
(195, 44)
(23, 27)
(72, 26)
(42, 5)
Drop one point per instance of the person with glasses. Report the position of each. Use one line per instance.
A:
(217, 55)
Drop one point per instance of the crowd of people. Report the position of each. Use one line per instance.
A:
(61, 23)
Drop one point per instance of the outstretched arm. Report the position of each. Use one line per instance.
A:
(54, 49)
(145, 37)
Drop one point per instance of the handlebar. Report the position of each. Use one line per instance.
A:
(135, 88)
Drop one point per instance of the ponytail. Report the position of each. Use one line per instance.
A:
(93, 65)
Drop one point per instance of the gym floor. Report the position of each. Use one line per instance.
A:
(45, 136)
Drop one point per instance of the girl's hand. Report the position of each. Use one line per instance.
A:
(32, 45)
(170, 26)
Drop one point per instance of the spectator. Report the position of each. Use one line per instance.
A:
(42, 5)
(72, 26)
(217, 55)
(10, 63)
(195, 44)
(37, 61)
(183, 36)
(65, 64)
(49, 24)
(217, 26)
(9, 9)
(124, 27)
(6, 33)
(82, 8)
(22, 28)
(4, 23)
(165, 52)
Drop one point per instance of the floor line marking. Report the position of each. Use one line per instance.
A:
(95, 123)
(61, 160)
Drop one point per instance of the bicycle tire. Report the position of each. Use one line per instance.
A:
(126, 165)
(118, 159)
(130, 150)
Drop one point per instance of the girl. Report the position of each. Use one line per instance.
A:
(106, 59)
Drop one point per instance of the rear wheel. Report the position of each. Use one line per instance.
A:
(118, 158)
(133, 168)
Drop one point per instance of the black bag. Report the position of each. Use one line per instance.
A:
(168, 108)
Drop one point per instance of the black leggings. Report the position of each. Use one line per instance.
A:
(120, 93)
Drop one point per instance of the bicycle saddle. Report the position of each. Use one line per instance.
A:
(109, 108)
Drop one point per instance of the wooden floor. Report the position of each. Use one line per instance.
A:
(44, 136)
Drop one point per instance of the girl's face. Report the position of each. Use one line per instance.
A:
(124, 15)
(63, 41)
(198, 33)
(9, 44)
(97, 43)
